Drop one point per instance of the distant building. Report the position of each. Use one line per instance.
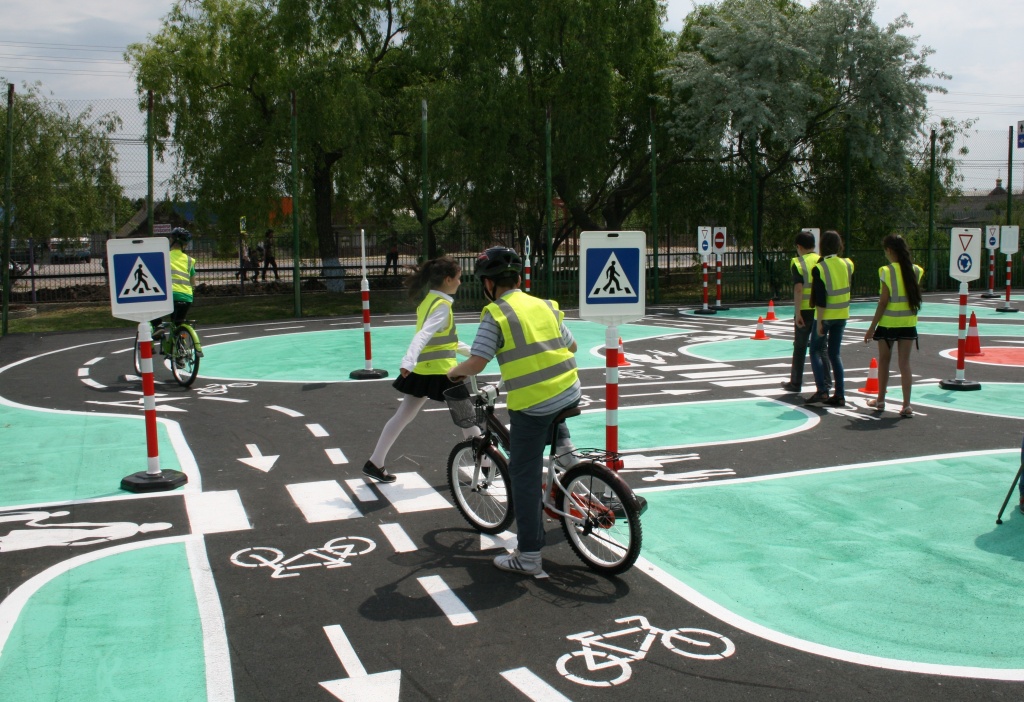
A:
(978, 208)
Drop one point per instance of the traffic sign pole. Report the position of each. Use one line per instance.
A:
(718, 247)
(1009, 285)
(526, 266)
(991, 243)
(964, 257)
(1009, 239)
(611, 394)
(367, 372)
(704, 249)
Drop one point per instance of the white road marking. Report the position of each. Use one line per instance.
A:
(323, 501)
(94, 361)
(524, 680)
(92, 383)
(336, 456)
(411, 493)
(506, 540)
(216, 512)
(720, 374)
(285, 410)
(398, 539)
(361, 490)
(458, 614)
(225, 399)
(317, 430)
(748, 382)
(694, 367)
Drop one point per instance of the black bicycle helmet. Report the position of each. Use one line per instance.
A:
(181, 235)
(497, 261)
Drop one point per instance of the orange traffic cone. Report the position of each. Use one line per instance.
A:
(973, 340)
(759, 334)
(871, 388)
(622, 356)
(771, 312)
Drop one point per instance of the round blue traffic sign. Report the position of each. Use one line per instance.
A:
(964, 263)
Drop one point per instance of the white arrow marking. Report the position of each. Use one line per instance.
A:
(359, 685)
(257, 460)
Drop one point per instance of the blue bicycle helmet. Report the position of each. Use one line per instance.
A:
(179, 235)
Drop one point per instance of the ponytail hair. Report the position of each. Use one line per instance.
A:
(431, 274)
(898, 245)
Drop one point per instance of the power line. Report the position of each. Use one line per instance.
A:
(63, 47)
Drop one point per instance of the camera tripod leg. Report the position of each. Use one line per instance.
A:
(999, 518)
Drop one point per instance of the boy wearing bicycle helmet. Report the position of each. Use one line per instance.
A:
(183, 275)
(535, 350)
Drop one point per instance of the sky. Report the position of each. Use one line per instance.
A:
(75, 49)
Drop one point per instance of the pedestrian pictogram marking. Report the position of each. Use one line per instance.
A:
(142, 284)
(612, 281)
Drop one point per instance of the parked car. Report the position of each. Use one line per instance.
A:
(70, 250)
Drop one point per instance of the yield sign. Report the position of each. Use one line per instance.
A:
(965, 239)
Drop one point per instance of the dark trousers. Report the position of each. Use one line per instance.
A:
(801, 340)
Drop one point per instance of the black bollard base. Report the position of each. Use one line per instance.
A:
(144, 482)
(704, 311)
(989, 296)
(368, 374)
(955, 384)
(1006, 309)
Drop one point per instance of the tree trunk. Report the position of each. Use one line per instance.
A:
(323, 200)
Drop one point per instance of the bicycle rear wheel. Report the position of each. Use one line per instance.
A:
(137, 358)
(481, 494)
(603, 522)
(185, 360)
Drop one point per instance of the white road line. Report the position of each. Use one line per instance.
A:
(225, 399)
(411, 493)
(285, 410)
(83, 372)
(748, 382)
(317, 430)
(398, 539)
(94, 361)
(458, 614)
(524, 680)
(773, 392)
(361, 490)
(323, 501)
(270, 329)
(344, 651)
(694, 367)
(214, 336)
(720, 374)
(216, 512)
(92, 383)
(336, 456)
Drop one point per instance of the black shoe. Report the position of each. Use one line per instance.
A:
(790, 387)
(836, 401)
(379, 474)
(818, 398)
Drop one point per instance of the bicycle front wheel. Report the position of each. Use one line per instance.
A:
(481, 494)
(185, 362)
(602, 521)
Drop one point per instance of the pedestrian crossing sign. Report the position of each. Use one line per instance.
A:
(140, 280)
(612, 285)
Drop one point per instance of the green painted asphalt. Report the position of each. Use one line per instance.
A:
(742, 350)
(867, 309)
(645, 428)
(329, 356)
(72, 456)
(123, 627)
(900, 560)
(993, 399)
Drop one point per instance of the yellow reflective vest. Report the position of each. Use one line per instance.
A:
(438, 356)
(836, 273)
(898, 312)
(804, 264)
(182, 267)
(535, 364)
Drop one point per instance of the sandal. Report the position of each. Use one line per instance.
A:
(907, 411)
(877, 405)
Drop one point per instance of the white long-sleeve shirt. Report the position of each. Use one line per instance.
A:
(435, 322)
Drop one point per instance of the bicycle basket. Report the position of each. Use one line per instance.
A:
(463, 407)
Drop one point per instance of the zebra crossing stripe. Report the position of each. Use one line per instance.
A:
(411, 493)
(216, 512)
(398, 539)
(457, 612)
(323, 501)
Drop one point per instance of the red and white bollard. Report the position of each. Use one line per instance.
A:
(1009, 281)
(152, 479)
(959, 383)
(367, 372)
(704, 309)
(991, 275)
(611, 403)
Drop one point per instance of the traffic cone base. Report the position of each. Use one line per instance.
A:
(871, 387)
(622, 356)
(759, 335)
(771, 312)
(973, 347)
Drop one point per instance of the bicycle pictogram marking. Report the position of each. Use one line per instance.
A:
(604, 660)
(333, 554)
(221, 388)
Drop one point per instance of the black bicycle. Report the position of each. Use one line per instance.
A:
(599, 513)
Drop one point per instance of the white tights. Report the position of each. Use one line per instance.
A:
(406, 412)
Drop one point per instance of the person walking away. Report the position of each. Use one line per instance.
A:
(183, 276)
(269, 259)
(830, 294)
(391, 258)
(895, 320)
(535, 351)
(431, 353)
(803, 312)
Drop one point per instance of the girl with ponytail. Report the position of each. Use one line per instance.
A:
(895, 320)
(423, 373)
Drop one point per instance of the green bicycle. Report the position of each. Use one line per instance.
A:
(180, 348)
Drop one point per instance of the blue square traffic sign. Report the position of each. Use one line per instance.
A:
(139, 277)
(612, 275)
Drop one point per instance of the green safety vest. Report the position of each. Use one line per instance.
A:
(438, 356)
(836, 273)
(898, 312)
(534, 362)
(181, 266)
(804, 264)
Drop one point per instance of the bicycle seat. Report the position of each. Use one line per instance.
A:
(565, 414)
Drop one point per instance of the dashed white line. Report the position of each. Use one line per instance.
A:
(216, 512)
(317, 430)
(524, 680)
(336, 456)
(398, 539)
(323, 501)
(361, 490)
(285, 410)
(458, 614)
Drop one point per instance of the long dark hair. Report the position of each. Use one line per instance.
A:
(830, 243)
(431, 274)
(898, 245)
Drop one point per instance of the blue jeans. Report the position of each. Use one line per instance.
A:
(801, 338)
(831, 343)
(529, 437)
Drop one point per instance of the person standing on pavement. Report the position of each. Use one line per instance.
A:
(803, 312)
(269, 259)
(429, 357)
(830, 294)
(535, 351)
(895, 320)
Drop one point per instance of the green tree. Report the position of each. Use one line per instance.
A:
(64, 182)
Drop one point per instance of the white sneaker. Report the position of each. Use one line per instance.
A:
(528, 563)
(565, 456)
